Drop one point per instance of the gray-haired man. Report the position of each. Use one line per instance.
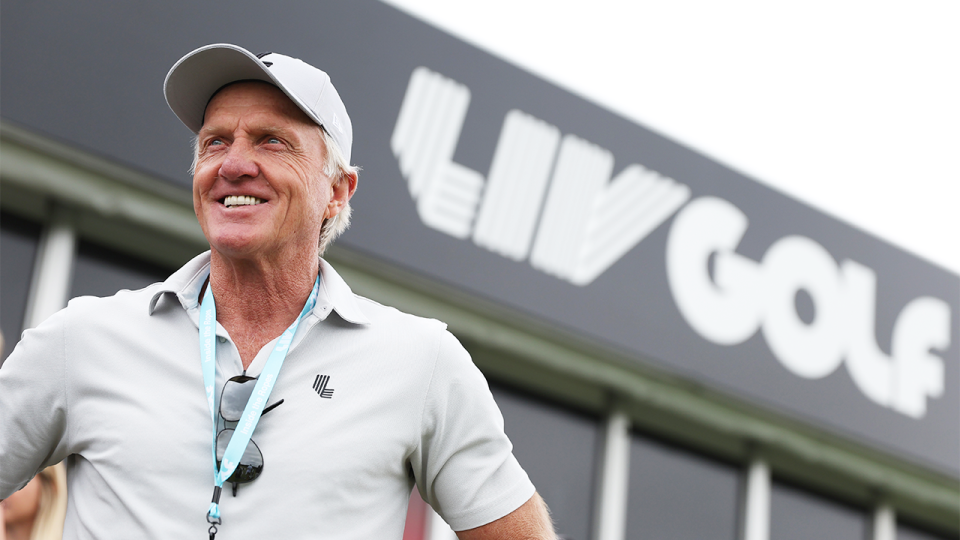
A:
(160, 397)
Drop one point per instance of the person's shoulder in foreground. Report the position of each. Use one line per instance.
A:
(160, 397)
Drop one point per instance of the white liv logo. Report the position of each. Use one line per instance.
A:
(533, 203)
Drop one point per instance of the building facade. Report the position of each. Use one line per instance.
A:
(677, 350)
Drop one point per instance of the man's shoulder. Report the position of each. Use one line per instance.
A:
(384, 316)
(123, 303)
(87, 318)
(401, 338)
(367, 313)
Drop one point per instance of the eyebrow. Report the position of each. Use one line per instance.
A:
(258, 131)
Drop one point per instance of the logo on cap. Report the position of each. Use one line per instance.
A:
(336, 123)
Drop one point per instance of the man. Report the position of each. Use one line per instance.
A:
(156, 396)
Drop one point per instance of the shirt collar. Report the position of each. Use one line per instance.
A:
(334, 293)
(185, 283)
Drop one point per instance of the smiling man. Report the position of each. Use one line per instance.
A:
(155, 396)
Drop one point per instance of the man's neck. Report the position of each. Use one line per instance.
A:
(257, 300)
(19, 531)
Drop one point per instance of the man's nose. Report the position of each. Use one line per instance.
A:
(239, 163)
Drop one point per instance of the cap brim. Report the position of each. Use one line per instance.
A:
(193, 80)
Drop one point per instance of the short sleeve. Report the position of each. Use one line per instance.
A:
(33, 405)
(464, 466)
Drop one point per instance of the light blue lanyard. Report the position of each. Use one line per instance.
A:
(258, 399)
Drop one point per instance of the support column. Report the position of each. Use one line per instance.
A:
(611, 505)
(53, 269)
(757, 505)
(884, 523)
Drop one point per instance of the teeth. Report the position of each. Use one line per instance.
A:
(241, 200)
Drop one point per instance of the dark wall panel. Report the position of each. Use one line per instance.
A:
(677, 495)
(101, 272)
(19, 240)
(558, 449)
(800, 515)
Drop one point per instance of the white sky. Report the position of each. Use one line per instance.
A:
(850, 106)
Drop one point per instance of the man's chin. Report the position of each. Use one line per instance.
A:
(234, 247)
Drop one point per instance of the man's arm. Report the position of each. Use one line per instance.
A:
(529, 522)
(32, 405)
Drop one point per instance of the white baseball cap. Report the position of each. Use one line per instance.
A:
(196, 77)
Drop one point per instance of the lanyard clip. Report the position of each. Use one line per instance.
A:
(213, 521)
(213, 514)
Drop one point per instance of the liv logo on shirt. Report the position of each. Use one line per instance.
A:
(320, 386)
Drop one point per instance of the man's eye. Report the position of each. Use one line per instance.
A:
(273, 140)
(216, 142)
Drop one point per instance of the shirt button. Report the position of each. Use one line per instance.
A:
(221, 339)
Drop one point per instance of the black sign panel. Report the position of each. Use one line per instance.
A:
(481, 175)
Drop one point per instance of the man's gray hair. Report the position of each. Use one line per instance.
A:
(336, 167)
(338, 170)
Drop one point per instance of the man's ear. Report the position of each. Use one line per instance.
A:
(341, 192)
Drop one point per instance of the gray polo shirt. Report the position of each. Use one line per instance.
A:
(114, 386)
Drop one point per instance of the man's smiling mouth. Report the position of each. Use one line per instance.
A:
(234, 201)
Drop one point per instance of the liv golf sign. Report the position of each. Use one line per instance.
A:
(552, 210)
(550, 198)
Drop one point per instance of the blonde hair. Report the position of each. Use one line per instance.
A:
(48, 525)
(338, 169)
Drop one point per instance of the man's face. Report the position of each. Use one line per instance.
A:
(259, 190)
